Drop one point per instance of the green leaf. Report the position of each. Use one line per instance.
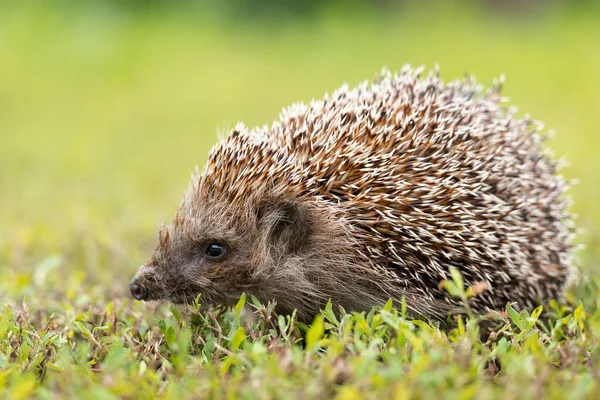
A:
(451, 288)
(238, 338)
(535, 314)
(85, 332)
(255, 302)
(239, 307)
(162, 325)
(329, 314)
(388, 305)
(6, 317)
(457, 279)
(315, 333)
(517, 318)
(170, 337)
(403, 308)
(109, 308)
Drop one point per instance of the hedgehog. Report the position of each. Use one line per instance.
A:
(370, 194)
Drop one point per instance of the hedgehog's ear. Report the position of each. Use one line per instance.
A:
(287, 222)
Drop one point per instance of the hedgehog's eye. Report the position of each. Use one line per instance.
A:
(215, 250)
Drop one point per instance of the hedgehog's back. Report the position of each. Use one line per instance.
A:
(428, 175)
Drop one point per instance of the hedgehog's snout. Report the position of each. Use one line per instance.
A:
(139, 291)
(139, 284)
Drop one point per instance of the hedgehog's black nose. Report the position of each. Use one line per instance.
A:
(138, 290)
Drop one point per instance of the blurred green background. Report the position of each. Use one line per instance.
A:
(106, 107)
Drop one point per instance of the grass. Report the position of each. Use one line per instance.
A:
(103, 116)
(135, 351)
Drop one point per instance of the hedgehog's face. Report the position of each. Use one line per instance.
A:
(218, 252)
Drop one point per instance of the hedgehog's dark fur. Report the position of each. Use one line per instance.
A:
(373, 193)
